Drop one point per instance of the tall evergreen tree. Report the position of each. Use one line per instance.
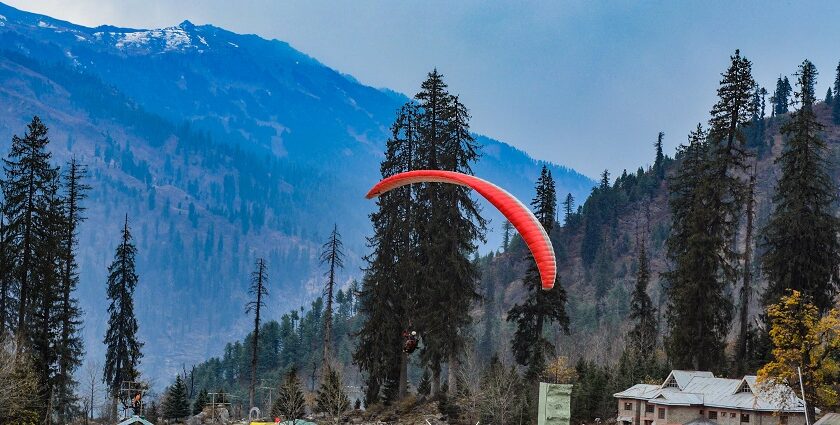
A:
(507, 230)
(745, 294)
(447, 229)
(698, 311)
(389, 289)
(829, 97)
(659, 162)
(69, 349)
(568, 209)
(835, 105)
(122, 356)
(29, 175)
(333, 256)
(259, 278)
(801, 235)
(706, 220)
(43, 319)
(540, 308)
(642, 312)
(781, 97)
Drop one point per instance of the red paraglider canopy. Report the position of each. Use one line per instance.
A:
(519, 215)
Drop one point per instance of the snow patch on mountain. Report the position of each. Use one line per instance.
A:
(174, 38)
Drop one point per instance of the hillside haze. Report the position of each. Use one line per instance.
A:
(220, 148)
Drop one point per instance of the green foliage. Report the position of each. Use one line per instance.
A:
(781, 97)
(835, 105)
(38, 269)
(331, 398)
(176, 404)
(200, 401)
(800, 239)
(290, 403)
(643, 335)
(541, 308)
(122, 356)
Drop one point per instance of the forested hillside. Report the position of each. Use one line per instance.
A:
(221, 148)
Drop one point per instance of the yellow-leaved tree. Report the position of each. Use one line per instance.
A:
(803, 339)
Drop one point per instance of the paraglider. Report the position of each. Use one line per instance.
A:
(519, 215)
(410, 341)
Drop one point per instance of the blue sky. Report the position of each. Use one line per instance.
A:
(581, 83)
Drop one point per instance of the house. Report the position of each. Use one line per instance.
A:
(700, 398)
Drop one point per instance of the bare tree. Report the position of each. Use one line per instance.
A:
(258, 280)
(92, 374)
(502, 392)
(18, 383)
(333, 257)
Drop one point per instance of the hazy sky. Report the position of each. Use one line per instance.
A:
(581, 83)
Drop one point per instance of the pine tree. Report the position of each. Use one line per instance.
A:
(835, 105)
(122, 346)
(25, 189)
(745, 294)
(389, 286)
(290, 403)
(659, 162)
(568, 209)
(642, 313)
(331, 398)
(200, 401)
(258, 290)
(829, 97)
(43, 318)
(706, 215)
(605, 180)
(333, 256)
(507, 230)
(800, 239)
(69, 347)
(448, 224)
(540, 308)
(176, 404)
(781, 97)
(697, 311)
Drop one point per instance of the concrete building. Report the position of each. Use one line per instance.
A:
(699, 398)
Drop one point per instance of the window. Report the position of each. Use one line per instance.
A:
(701, 412)
(745, 418)
(672, 383)
(648, 422)
(745, 388)
(712, 414)
(783, 419)
(628, 406)
(649, 408)
(661, 413)
(732, 414)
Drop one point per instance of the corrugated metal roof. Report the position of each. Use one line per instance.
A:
(643, 391)
(703, 388)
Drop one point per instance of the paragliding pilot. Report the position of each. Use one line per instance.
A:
(410, 343)
(135, 402)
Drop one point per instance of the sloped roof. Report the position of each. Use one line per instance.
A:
(644, 391)
(829, 419)
(683, 377)
(703, 388)
(135, 420)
